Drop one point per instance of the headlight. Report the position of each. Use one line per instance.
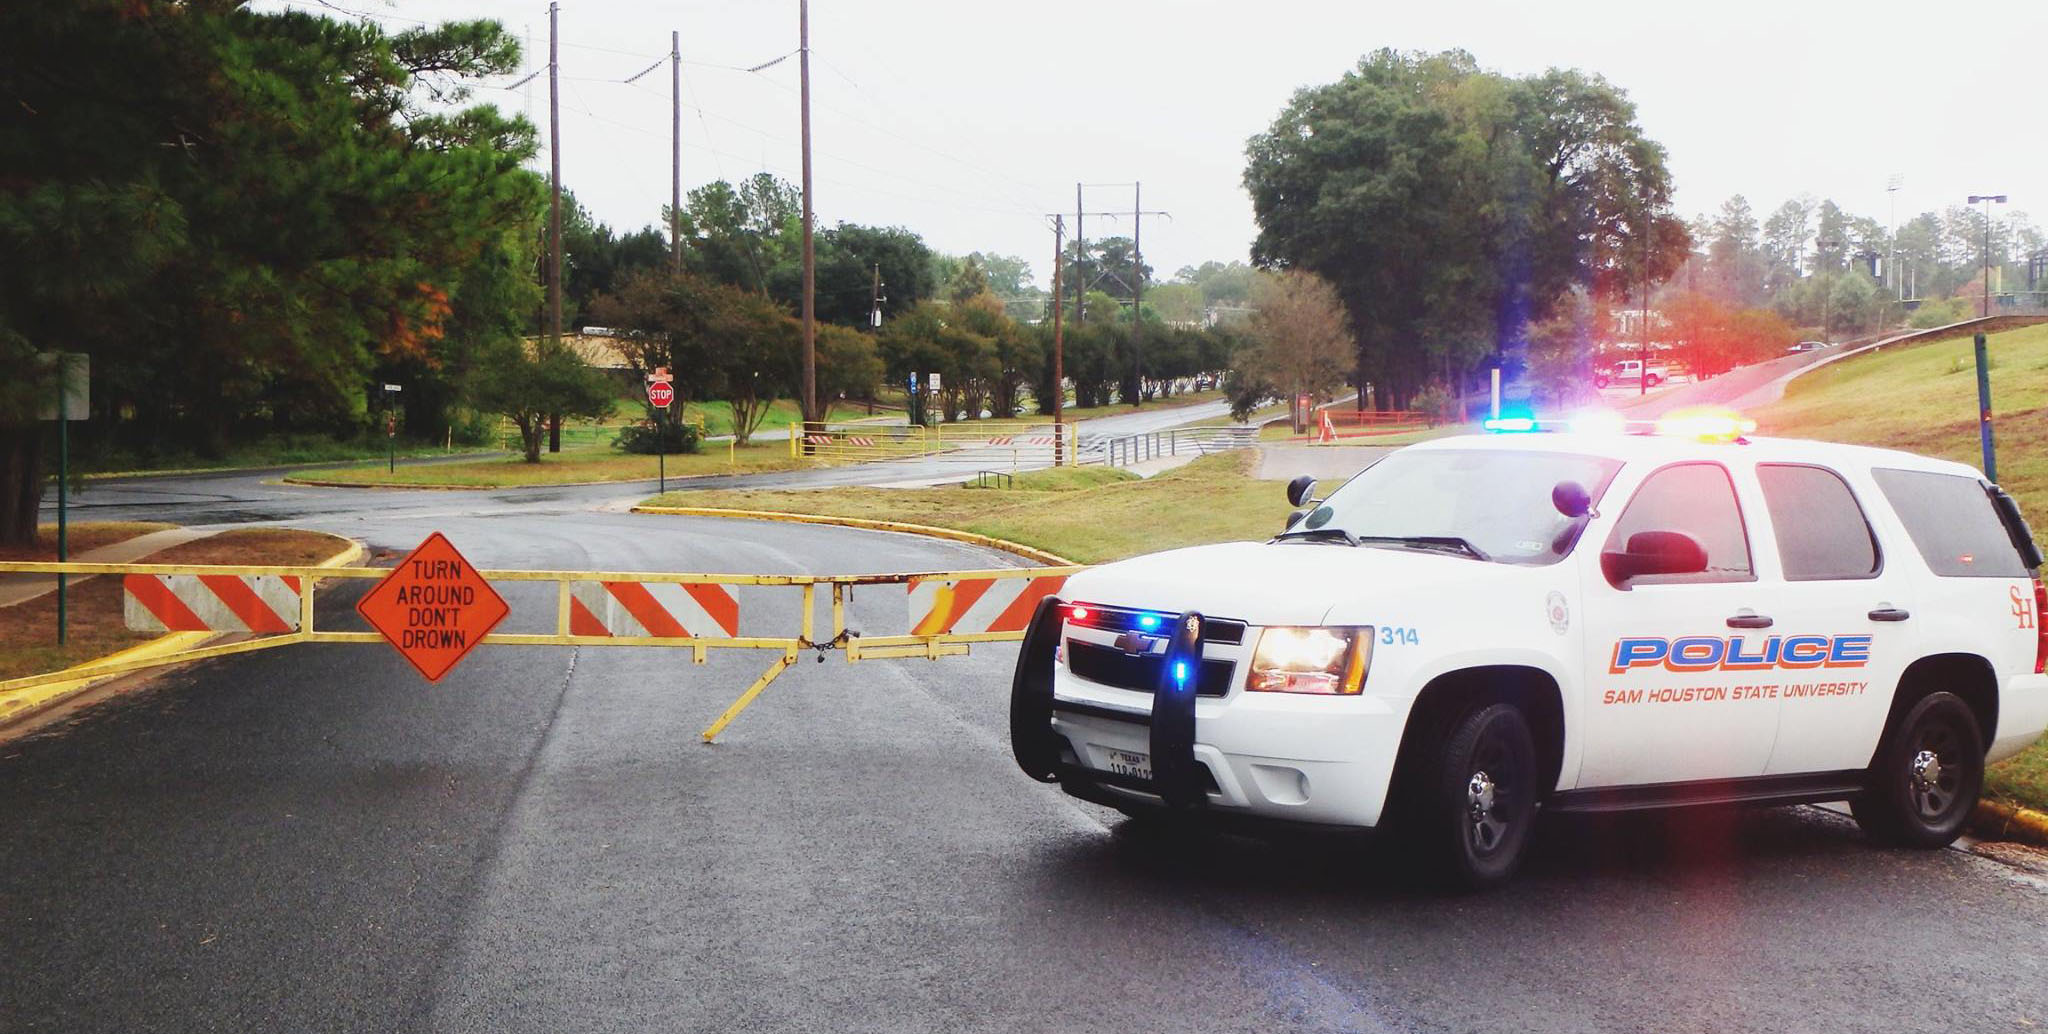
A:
(1328, 661)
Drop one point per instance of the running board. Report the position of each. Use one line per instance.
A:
(1805, 788)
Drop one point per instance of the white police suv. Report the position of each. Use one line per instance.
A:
(1478, 628)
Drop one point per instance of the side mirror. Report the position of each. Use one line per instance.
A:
(1571, 499)
(1654, 552)
(1299, 488)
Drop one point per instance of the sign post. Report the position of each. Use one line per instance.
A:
(661, 393)
(391, 427)
(72, 399)
(433, 607)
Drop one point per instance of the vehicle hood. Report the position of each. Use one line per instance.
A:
(1293, 583)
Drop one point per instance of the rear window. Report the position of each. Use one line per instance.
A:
(1821, 531)
(1952, 523)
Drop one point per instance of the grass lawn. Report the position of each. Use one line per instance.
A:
(1929, 406)
(568, 467)
(78, 537)
(93, 619)
(1087, 514)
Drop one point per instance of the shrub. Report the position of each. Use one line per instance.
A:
(646, 438)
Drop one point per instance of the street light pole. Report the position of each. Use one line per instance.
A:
(1989, 200)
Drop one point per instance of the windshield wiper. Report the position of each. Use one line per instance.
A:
(1439, 542)
(1320, 535)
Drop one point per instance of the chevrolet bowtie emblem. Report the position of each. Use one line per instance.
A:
(1137, 643)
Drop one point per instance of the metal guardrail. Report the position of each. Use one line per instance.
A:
(1125, 450)
(981, 442)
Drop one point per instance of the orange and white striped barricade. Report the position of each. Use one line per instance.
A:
(211, 602)
(658, 610)
(977, 605)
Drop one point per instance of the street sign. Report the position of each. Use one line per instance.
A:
(433, 607)
(77, 385)
(660, 394)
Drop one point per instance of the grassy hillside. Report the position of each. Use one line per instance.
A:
(1923, 398)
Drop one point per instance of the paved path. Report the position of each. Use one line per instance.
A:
(21, 588)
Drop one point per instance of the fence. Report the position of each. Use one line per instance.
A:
(1137, 448)
(983, 443)
(946, 613)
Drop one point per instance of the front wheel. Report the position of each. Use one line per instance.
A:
(1480, 802)
(1600, 382)
(1653, 380)
(1926, 776)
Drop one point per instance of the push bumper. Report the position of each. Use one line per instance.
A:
(1303, 760)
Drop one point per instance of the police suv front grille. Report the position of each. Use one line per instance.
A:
(1113, 667)
(1221, 631)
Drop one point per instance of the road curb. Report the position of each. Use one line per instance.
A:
(28, 703)
(1999, 820)
(323, 483)
(927, 530)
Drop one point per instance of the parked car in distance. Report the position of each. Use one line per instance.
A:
(1809, 346)
(1630, 371)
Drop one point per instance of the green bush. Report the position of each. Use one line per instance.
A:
(646, 438)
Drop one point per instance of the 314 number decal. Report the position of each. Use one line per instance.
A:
(1391, 636)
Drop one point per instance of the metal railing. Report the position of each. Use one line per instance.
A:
(1126, 450)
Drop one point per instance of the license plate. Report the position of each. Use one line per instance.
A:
(1128, 763)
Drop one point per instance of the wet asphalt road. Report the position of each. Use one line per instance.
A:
(313, 839)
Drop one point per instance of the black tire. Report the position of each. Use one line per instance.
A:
(1478, 798)
(1925, 777)
(1599, 382)
(1652, 380)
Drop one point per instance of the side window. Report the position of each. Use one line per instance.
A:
(1699, 500)
(1822, 532)
(1953, 523)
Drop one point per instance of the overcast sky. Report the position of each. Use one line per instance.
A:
(968, 121)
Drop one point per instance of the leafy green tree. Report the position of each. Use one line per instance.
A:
(595, 258)
(1176, 303)
(849, 365)
(1302, 343)
(1487, 197)
(848, 255)
(240, 215)
(530, 385)
(1222, 284)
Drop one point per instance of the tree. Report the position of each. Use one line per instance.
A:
(755, 351)
(1561, 351)
(1301, 342)
(240, 215)
(1176, 303)
(1487, 198)
(1222, 284)
(849, 365)
(531, 384)
(1735, 259)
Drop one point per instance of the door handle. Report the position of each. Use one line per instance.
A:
(1749, 620)
(1889, 614)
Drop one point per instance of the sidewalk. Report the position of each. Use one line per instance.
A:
(21, 588)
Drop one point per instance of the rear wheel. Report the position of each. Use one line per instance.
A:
(1599, 382)
(1925, 779)
(1479, 803)
(1653, 380)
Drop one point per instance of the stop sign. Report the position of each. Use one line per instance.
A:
(660, 394)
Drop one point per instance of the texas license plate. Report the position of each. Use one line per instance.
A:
(1129, 763)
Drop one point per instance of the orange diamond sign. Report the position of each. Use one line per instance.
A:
(434, 607)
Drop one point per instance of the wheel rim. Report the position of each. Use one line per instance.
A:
(1934, 771)
(1490, 795)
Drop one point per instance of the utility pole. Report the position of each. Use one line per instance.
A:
(810, 305)
(1137, 292)
(1059, 373)
(1080, 255)
(875, 323)
(1643, 352)
(675, 175)
(554, 179)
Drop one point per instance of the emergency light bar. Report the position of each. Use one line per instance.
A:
(1702, 425)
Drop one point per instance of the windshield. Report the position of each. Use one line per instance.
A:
(1497, 503)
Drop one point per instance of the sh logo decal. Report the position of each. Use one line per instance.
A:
(2022, 607)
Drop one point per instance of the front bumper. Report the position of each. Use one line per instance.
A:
(1315, 760)
(1299, 759)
